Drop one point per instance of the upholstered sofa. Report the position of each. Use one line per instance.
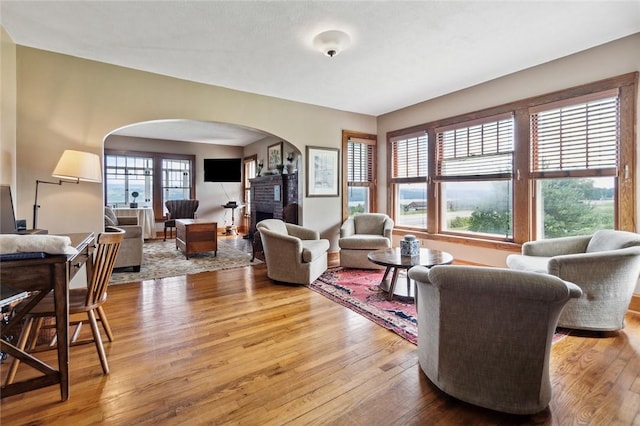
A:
(293, 254)
(605, 265)
(361, 234)
(130, 254)
(485, 334)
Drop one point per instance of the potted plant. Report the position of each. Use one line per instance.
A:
(135, 195)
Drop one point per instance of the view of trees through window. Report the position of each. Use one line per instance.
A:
(575, 206)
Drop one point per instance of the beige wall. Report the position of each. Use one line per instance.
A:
(8, 99)
(609, 60)
(67, 102)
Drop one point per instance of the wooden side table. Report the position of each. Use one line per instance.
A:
(196, 236)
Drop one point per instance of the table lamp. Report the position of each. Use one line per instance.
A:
(75, 166)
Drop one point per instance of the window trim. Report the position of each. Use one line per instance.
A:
(158, 205)
(369, 139)
(523, 231)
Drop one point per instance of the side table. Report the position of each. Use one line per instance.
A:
(196, 236)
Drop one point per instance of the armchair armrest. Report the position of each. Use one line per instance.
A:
(388, 228)
(348, 228)
(556, 246)
(301, 232)
(598, 268)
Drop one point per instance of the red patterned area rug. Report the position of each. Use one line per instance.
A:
(358, 290)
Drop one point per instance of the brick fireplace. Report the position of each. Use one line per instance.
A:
(269, 196)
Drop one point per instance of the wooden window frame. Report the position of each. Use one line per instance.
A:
(371, 140)
(158, 197)
(523, 190)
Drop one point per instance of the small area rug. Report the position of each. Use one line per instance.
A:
(358, 290)
(161, 259)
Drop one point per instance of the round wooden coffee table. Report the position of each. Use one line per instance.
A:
(392, 259)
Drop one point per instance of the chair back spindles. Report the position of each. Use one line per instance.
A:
(104, 257)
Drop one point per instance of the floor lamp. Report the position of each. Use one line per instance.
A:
(75, 166)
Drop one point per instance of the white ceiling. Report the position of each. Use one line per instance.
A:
(401, 53)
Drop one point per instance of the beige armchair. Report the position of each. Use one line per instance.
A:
(484, 334)
(605, 265)
(130, 253)
(293, 254)
(361, 234)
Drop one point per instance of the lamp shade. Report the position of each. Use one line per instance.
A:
(79, 166)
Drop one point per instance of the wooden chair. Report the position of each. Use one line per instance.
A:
(81, 300)
(178, 209)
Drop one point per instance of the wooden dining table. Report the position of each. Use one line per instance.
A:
(39, 276)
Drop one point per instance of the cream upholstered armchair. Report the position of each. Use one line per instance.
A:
(361, 234)
(293, 254)
(130, 253)
(484, 334)
(606, 266)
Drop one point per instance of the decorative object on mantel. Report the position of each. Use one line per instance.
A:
(133, 204)
(280, 168)
(290, 166)
(162, 260)
(260, 166)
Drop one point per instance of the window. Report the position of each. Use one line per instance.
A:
(156, 177)
(474, 168)
(360, 187)
(553, 165)
(126, 174)
(574, 155)
(408, 178)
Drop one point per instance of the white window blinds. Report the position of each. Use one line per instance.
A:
(481, 149)
(359, 161)
(578, 134)
(410, 156)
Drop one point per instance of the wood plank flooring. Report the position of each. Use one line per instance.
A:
(232, 347)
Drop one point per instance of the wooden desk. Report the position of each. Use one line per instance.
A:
(43, 275)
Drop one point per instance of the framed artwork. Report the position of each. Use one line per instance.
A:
(274, 155)
(323, 171)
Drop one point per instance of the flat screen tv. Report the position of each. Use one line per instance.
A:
(223, 169)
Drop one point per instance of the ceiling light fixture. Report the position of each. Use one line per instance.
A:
(331, 42)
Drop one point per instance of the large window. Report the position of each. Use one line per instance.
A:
(408, 178)
(359, 165)
(574, 153)
(156, 177)
(474, 168)
(554, 165)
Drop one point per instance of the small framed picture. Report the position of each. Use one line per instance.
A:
(274, 155)
(323, 171)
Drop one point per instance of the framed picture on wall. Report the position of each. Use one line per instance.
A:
(323, 171)
(274, 155)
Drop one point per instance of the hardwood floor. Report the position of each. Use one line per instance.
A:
(231, 347)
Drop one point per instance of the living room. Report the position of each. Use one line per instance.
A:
(53, 102)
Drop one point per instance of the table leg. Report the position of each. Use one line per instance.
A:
(392, 284)
(386, 274)
(61, 302)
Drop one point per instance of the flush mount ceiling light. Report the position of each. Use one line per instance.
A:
(331, 42)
